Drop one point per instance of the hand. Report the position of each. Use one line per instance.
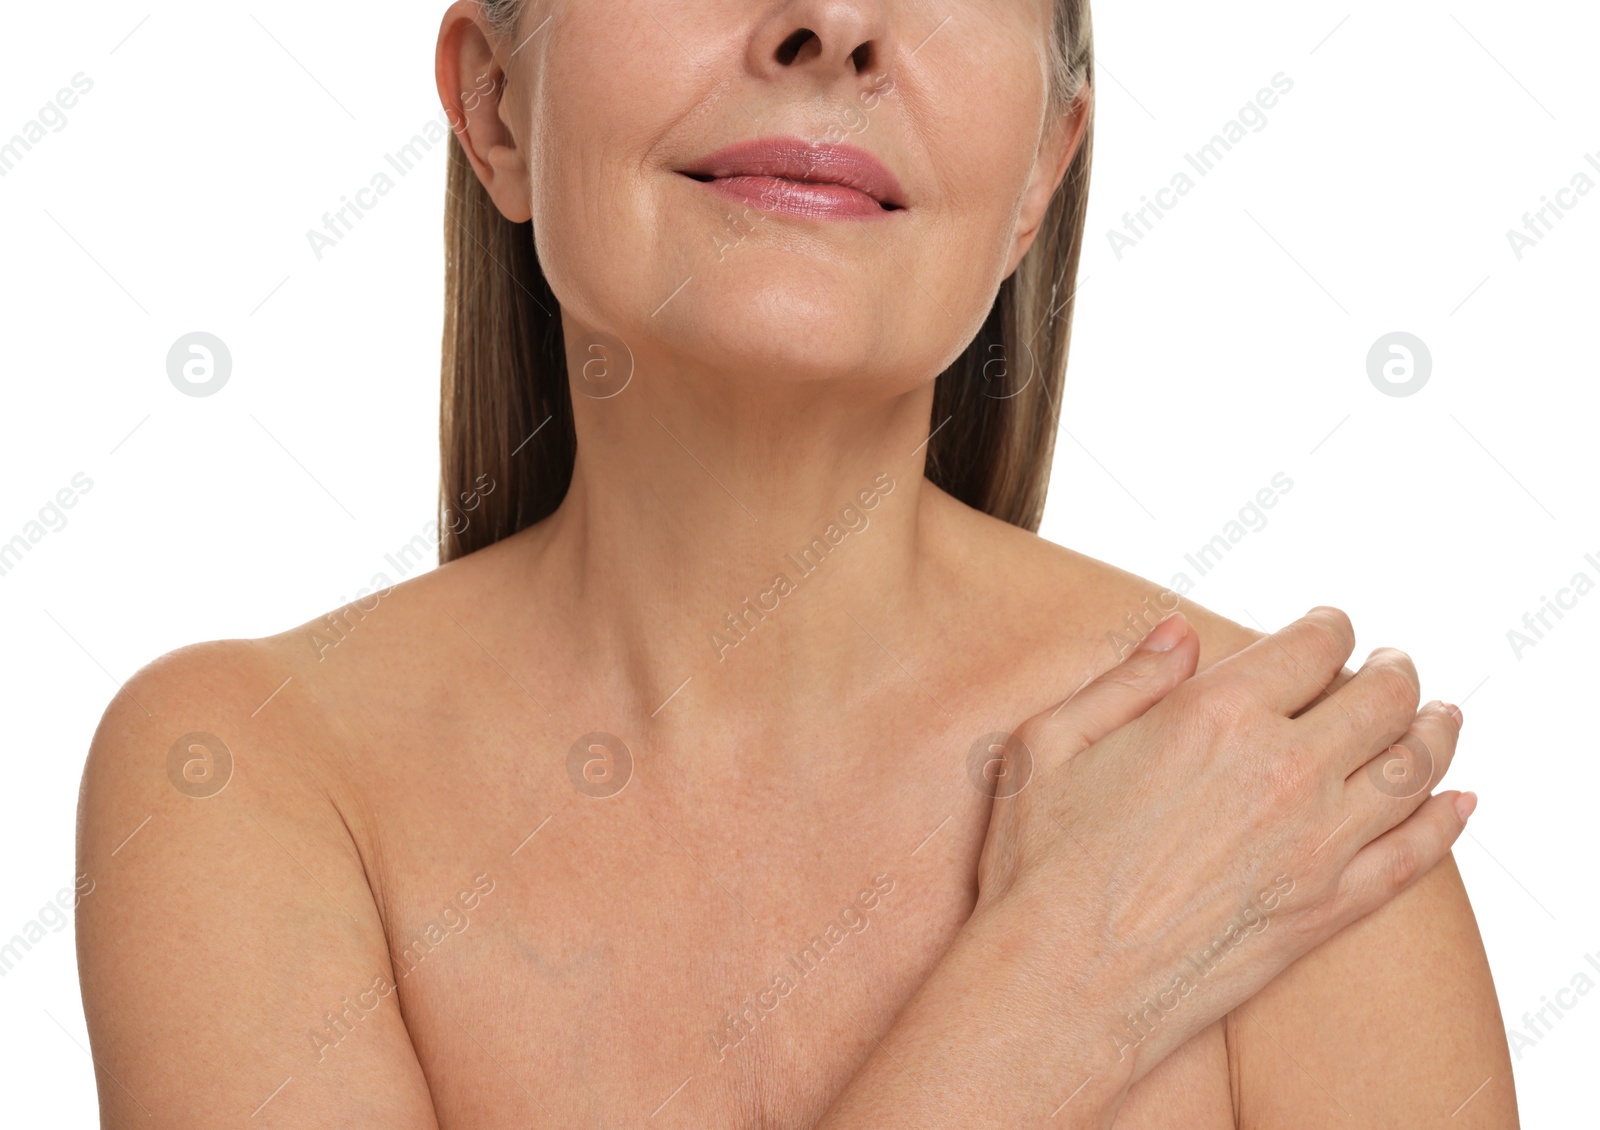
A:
(1181, 838)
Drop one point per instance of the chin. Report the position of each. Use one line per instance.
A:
(781, 329)
(787, 315)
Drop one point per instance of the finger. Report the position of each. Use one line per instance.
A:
(1395, 783)
(1401, 856)
(1289, 668)
(1165, 658)
(1339, 680)
(1368, 714)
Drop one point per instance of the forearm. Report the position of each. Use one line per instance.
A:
(994, 1037)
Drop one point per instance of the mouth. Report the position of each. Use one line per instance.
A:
(790, 174)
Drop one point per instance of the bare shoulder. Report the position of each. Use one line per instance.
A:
(1058, 592)
(229, 908)
(1320, 1045)
(183, 726)
(280, 725)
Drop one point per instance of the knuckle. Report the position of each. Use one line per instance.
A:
(1041, 731)
(1331, 627)
(1071, 739)
(1402, 864)
(1317, 920)
(1215, 710)
(1394, 680)
(1062, 736)
(1441, 746)
(1289, 783)
(1402, 662)
(1122, 680)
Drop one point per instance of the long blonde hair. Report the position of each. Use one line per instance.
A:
(505, 372)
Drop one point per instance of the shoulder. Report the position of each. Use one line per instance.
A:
(292, 688)
(234, 698)
(219, 868)
(204, 692)
(1049, 591)
(1320, 1042)
(204, 756)
(189, 762)
(287, 724)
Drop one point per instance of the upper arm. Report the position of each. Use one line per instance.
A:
(233, 963)
(1391, 1022)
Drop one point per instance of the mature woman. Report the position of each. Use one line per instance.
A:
(751, 762)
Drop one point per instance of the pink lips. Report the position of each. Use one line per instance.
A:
(789, 174)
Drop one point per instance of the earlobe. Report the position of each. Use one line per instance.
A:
(472, 85)
(1057, 148)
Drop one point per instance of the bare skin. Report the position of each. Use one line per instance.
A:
(410, 908)
(596, 975)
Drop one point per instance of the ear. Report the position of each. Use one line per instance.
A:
(472, 83)
(1062, 136)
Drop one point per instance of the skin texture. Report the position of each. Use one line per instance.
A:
(406, 908)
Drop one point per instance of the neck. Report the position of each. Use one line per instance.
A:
(725, 538)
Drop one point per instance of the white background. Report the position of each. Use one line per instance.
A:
(1230, 344)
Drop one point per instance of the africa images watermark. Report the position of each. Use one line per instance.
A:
(453, 919)
(1541, 222)
(1539, 1023)
(55, 915)
(1151, 612)
(52, 115)
(339, 223)
(1251, 519)
(737, 626)
(741, 1023)
(436, 130)
(1142, 1020)
(337, 626)
(1537, 623)
(1252, 118)
(50, 519)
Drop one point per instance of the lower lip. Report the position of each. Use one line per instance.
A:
(818, 201)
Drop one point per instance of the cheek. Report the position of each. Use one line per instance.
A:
(981, 124)
(614, 89)
(583, 162)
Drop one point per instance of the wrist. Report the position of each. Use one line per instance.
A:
(1008, 1030)
(1060, 994)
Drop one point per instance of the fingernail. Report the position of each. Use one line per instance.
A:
(1167, 634)
(1465, 803)
(1455, 711)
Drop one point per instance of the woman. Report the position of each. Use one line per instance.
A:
(750, 762)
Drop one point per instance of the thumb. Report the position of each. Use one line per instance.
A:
(1165, 658)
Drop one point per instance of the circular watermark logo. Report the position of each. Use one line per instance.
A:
(199, 765)
(599, 764)
(998, 382)
(1399, 364)
(999, 764)
(199, 364)
(606, 368)
(1401, 767)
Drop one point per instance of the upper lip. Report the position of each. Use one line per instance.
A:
(796, 159)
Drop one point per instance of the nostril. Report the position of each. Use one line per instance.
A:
(862, 57)
(789, 49)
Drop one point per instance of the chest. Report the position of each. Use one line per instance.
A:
(583, 939)
(599, 960)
